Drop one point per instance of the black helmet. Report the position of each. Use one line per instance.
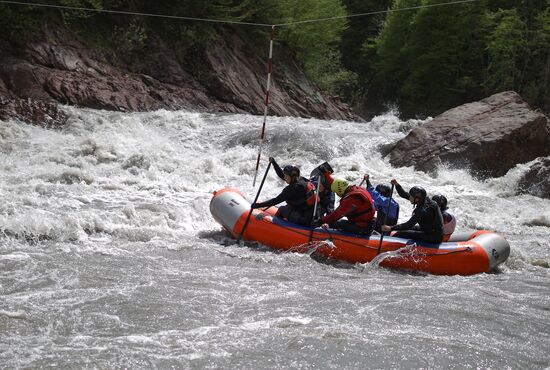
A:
(418, 192)
(441, 201)
(383, 190)
(292, 171)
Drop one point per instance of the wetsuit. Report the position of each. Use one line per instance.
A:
(358, 207)
(326, 204)
(299, 196)
(326, 197)
(430, 224)
(402, 193)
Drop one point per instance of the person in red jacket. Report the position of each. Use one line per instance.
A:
(355, 204)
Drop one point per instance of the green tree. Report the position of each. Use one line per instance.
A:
(506, 46)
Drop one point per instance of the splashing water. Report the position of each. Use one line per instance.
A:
(109, 256)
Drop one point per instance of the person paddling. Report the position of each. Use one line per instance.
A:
(381, 198)
(426, 222)
(355, 204)
(321, 176)
(299, 196)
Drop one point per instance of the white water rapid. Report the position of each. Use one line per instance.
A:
(109, 257)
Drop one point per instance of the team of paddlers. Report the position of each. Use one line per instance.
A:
(362, 210)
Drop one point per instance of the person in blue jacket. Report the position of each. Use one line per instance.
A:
(381, 197)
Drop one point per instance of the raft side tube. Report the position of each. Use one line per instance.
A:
(496, 247)
(227, 207)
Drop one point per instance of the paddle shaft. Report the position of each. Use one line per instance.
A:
(314, 211)
(385, 219)
(255, 200)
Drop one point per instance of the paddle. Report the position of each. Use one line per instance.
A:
(385, 219)
(255, 200)
(314, 209)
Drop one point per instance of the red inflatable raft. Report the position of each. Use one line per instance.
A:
(464, 254)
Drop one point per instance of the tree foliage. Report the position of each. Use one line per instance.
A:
(425, 59)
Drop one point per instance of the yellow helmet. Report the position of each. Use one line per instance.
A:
(339, 186)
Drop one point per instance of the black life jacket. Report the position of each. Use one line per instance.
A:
(309, 191)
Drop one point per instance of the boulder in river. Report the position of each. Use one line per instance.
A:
(489, 136)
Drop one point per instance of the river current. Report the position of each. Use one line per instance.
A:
(109, 257)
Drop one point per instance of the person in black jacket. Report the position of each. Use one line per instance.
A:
(426, 222)
(326, 196)
(299, 196)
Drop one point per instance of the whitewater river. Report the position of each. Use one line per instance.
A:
(109, 257)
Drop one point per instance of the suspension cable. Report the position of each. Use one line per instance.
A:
(222, 21)
(374, 13)
(154, 15)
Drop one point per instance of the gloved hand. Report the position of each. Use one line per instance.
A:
(255, 205)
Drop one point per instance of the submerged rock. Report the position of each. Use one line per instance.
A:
(536, 181)
(489, 137)
(541, 263)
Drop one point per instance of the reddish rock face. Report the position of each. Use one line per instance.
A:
(489, 137)
(61, 68)
(36, 112)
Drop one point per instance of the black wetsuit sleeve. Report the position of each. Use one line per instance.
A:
(407, 225)
(369, 185)
(278, 169)
(402, 193)
(278, 199)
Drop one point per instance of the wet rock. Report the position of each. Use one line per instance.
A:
(230, 77)
(241, 76)
(36, 112)
(489, 137)
(536, 181)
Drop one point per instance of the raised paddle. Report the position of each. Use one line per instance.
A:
(255, 200)
(385, 219)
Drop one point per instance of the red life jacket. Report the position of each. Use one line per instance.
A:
(366, 211)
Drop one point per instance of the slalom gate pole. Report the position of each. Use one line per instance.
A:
(255, 200)
(266, 100)
(385, 219)
(314, 210)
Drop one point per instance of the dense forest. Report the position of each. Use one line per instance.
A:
(419, 57)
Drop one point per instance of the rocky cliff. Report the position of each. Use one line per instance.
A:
(227, 75)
